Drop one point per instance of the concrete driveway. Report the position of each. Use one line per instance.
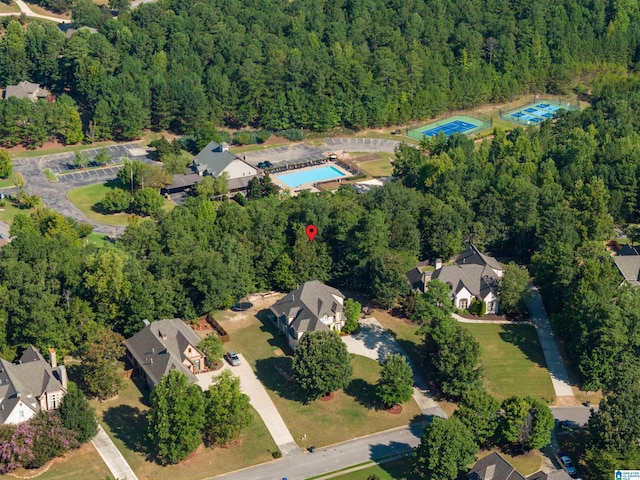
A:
(260, 400)
(375, 342)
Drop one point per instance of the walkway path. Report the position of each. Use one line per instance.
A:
(479, 320)
(336, 457)
(260, 400)
(555, 364)
(374, 342)
(112, 457)
(25, 10)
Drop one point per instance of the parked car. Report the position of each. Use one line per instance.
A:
(266, 164)
(568, 465)
(233, 358)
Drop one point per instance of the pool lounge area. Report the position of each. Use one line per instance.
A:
(306, 178)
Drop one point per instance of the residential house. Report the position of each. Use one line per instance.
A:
(216, 159)
(495, 467)
(30, 385)
(29, 90)
(473, 275)
(627, 259)
(313, 306)
(163, 346)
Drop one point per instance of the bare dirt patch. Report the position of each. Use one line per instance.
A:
(276, 140)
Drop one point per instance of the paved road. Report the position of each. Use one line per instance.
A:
(375, 342)
(555, 364)
(577, 415)
(260, 400)
(24, 9)
(112, 457)
(329, 459)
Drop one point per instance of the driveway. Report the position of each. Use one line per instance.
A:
(375, 342)
(260, 400)
(112, 456)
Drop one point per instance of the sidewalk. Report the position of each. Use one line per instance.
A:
(112, 457)
(555, 364)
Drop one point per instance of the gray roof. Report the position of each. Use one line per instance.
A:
(479, 280)
(26, 89)
(213, 159)
(473, 256)
(554, 475)
(494, 467)
(628, 262)
(158, 348)
(31, 377)
(416, 279)
(184, 180)
(308, 304)
(240, 183)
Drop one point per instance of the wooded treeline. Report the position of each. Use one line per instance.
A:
(311, 64)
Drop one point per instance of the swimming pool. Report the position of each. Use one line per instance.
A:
(311, 175)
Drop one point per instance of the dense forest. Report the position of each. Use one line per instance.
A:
(311, 64)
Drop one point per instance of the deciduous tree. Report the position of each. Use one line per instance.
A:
(396, 381)
(212, 348)
(227, 410)
(101, 362)
(77, 415)
(352, 310)
(479, 412)
(514, 289)
(526, 422)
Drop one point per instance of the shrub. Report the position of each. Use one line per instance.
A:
(241, 199)
(116, 200)
(294, 134)
(276, 454)
(212, 348)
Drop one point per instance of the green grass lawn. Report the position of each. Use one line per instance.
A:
(9, 211)
(6, 182)
(85, 198)
(13, 8)
(401, 469)
(124, 420)
(99, 239)
(75, 465)
(59, 149)
(351, 413)
(513, 361)
(377, 168)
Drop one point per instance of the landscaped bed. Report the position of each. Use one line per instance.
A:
(124, 420)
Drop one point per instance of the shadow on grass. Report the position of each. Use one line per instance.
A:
(278, 339)
(275, 374)
(364, 393)
(525, 338)
(401, 468)
(129, 424)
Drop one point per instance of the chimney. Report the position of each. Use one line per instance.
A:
(153, 349)
(438, 263)
(52, 358)
(146, 322)
(62, 376)
(151, 361)
(225, 146)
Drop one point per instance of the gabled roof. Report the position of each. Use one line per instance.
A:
(213, 159)
(477, 279)
(26, 89)
(159, 348)
(554, 475)
(494, 467)
(628, 262)
(308, 304)
(26, 381)
(473, 256)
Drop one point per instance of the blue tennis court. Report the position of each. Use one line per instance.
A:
(534, 113)
(457, 126)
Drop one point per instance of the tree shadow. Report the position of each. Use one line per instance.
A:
(129, 424)
(278, 339)
(403, 467)
(275, 374)
(364, 393)
(525, 338)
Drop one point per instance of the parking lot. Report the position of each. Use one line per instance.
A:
(101, 173)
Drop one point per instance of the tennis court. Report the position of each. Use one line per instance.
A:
(448, 126)
(536, 112)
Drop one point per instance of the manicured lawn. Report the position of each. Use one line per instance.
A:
(377, 168)
(76, 465)
(526, 463)
(9, 211)
(6, 182)
(99, 239)
(124, 420)
(351, 413)
(85, 198)
(512, 360)
(401, 469)
(58, 149)
(13, 8)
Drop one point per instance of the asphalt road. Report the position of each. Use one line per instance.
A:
(329, 459)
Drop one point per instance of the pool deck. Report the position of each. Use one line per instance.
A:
(310, 186)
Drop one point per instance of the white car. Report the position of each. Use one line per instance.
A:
(568, 465)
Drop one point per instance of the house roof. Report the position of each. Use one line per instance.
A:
(308, 304)
(554, 475)
(473, 256)
(240, 183)
(416, 279)
(184, 180)
(26, 89)
(213, 159)
(628, 262)
(479, 280)
(159, 348)
(494, 467)
(26, 381)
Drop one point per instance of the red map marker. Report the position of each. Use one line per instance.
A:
(312, 231)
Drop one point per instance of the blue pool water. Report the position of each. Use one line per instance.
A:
(313, 175)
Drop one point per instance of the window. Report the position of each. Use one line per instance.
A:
(197, 363)
(491, 306)
(463, 303)
(53, 400)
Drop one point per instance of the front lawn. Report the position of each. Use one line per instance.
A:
(75, 465)
(401, 469)
(350, 414)
(513, 361)
(124, 420)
